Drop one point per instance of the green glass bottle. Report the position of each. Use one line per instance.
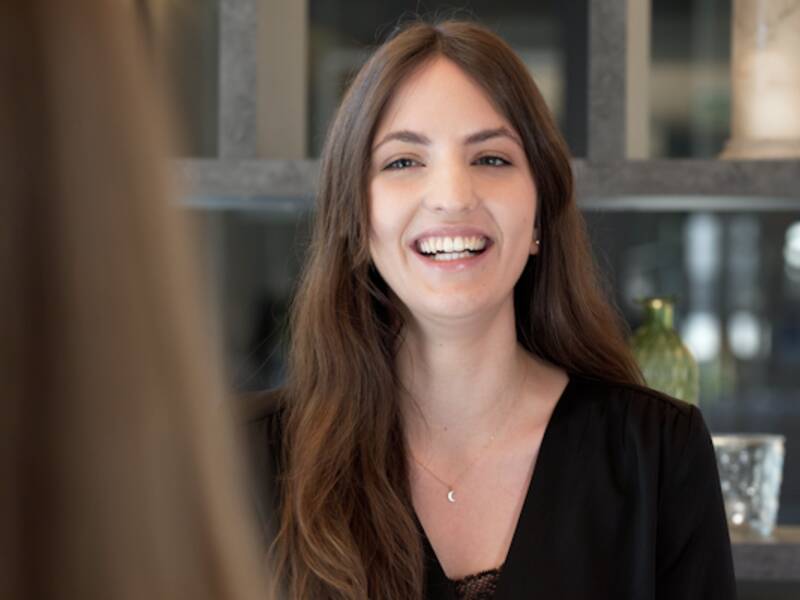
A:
(666, 363)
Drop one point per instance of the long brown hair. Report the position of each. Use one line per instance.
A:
(347, 523)
(119, 478)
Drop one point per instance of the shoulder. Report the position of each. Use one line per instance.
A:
(657, 445)
(644, 420)
(631, 395)
(632, 401)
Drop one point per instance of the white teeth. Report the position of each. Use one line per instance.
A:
(445, 244)
(451, 255)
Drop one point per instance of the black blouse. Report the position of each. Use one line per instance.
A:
(624, 503)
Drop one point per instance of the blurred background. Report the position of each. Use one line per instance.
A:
(643, 91)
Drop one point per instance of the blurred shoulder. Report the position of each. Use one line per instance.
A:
(260, 414)
(261, 405)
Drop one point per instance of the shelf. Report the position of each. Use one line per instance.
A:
(686, 185)
(776, 558)
(720, 178)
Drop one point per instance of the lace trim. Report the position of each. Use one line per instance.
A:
(478, 586)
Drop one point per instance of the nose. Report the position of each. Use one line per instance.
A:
(450, 188)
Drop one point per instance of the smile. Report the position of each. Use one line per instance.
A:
(446, 248)
(453, 253)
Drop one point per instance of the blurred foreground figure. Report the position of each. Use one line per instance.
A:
(119, 479)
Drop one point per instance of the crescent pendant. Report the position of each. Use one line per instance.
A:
(451, 496)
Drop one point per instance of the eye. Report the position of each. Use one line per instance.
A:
(494, 161)
(399, 164)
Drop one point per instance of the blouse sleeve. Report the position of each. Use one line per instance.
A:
(693, 549)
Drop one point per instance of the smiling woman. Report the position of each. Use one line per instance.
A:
(462, 416)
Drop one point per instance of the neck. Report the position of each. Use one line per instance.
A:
(460, 380)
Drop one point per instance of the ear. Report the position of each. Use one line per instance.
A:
(535, 243)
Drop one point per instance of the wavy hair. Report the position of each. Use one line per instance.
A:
(347, 527)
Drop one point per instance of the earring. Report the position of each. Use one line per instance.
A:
(537, 242)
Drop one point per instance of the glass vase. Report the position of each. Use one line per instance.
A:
(666, 363)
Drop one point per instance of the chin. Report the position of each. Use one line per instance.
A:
(453, 308)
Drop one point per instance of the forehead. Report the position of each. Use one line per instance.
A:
(440, 99)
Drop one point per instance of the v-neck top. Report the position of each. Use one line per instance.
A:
(624, 503)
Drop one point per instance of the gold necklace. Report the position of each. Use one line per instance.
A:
(451, 491)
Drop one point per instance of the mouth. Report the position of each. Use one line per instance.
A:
(452, 248)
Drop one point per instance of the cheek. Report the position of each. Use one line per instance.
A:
(519, 220)
(385, 218)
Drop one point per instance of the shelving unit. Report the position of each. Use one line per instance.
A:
(605, 179)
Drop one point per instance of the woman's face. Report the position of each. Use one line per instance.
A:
(452, 199)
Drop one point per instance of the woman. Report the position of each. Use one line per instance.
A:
(462, 417)
(119, 478)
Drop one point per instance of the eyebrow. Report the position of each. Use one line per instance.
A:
(412, 137)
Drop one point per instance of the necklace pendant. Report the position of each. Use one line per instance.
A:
(451, 496)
